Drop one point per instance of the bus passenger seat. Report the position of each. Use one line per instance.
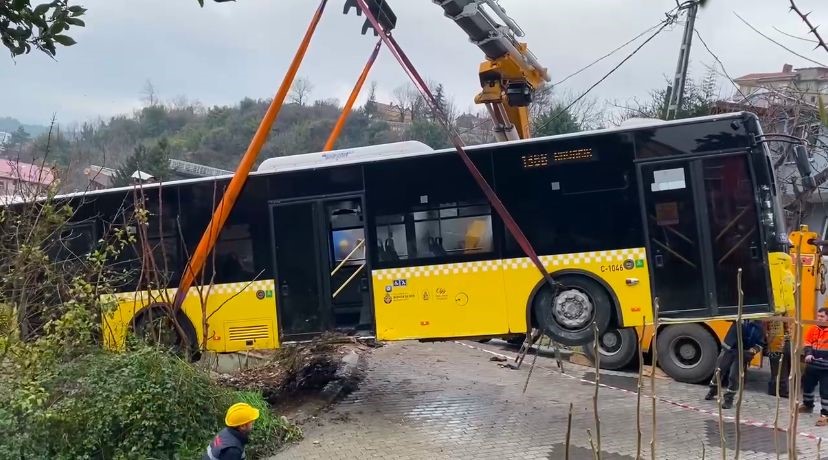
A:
(390, 252)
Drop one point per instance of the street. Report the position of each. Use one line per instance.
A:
(449, 400)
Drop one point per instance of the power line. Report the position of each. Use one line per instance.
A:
(777, 43)
(721, 64)
(671, 18)
(619, 48)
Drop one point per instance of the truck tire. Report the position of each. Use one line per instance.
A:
(568, 317)
(618, 349)
(687, 352)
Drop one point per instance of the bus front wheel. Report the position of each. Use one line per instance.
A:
(687, 352)
(618, 349)
(568, 316)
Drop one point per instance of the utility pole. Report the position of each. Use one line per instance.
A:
(677, 89)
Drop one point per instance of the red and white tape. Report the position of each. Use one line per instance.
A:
(681, 405)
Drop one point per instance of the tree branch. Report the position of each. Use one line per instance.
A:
(813, 29)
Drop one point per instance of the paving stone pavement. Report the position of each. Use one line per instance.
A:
(449, 401)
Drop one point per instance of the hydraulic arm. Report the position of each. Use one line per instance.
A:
(510, 74)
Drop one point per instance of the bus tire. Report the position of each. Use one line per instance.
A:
(687, 352)
(618, 349)
(568, 317)
(182, 342)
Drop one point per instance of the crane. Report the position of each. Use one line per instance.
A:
(511, 73)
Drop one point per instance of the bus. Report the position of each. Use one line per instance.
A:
(397, 241)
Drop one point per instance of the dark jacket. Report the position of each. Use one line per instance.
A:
(753, 335)
(227, 445)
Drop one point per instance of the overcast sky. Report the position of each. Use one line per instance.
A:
(224, 52)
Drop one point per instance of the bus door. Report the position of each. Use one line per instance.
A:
(702, 226)
(321, 269)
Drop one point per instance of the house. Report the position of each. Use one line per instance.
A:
(787, 103)
(19, 179)
(101, 177)
(790, 86)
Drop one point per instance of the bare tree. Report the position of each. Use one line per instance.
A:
(150, 94)
(402, 101)
(300, 91)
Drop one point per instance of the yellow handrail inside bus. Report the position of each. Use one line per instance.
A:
(359, 244)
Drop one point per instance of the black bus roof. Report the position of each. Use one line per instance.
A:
(291, 162)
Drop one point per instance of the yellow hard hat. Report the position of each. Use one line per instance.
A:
(240, 414)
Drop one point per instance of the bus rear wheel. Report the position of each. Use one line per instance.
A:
(687, 352)
(568, 316)
(618, 349)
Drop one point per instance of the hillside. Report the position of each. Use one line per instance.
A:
(10, 125)
(218, 136)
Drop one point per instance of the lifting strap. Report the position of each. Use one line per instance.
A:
(459, 145)
(208, 240)
(343, 117)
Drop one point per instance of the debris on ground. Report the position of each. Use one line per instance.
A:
(499, 359)
(303, 367)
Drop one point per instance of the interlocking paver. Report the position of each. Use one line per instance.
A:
(445, 400)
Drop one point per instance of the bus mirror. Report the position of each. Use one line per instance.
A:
(803, 164)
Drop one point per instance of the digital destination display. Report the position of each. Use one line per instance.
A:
(541, 160)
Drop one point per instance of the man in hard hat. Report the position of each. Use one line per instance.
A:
(229, 443)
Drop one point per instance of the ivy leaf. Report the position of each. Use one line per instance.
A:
(75, 22)
(64, 40)
(77, 10)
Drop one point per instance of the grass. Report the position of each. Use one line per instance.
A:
(271, 431)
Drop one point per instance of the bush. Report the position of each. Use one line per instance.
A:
(142, 404)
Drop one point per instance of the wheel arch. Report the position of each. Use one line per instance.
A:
(182, 318)
(530, 315)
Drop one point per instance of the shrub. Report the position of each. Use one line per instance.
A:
(142, 404)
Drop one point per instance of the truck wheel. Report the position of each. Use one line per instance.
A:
(618, 349)
(687, 352)
(568, 317)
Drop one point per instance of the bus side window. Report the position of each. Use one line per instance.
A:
(453, 230)
(73, 242)
(392, 238)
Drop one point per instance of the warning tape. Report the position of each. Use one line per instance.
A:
(681, 405)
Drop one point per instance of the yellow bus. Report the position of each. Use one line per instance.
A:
(397, 241)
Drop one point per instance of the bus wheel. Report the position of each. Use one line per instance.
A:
(568, 317)
(618, 348)
(687, 352)
(155, 327)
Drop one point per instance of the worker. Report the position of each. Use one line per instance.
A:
(728, 362)
(229, 443)
(816, 368)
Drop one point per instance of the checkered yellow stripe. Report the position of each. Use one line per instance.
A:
(551, 263)
(195, 291)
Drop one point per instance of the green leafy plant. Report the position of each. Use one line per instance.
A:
(270, 431)
(24, 27)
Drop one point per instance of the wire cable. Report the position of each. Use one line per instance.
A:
(670, 19)
(619, 48)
